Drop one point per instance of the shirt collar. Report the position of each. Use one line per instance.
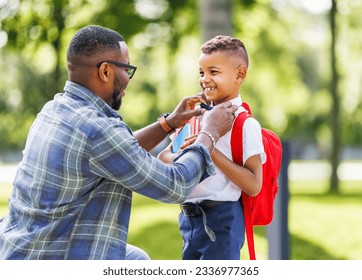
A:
(238, 102)
(91, 97)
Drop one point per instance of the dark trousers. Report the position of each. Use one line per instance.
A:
(225, 220)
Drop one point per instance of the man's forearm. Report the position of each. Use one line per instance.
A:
(150, 136)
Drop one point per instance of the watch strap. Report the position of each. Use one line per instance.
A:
(163, 123)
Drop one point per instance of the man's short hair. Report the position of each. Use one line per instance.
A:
(227, 44)
(93, 39)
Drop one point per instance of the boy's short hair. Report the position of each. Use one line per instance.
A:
(227, 44)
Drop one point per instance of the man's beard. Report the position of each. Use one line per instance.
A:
(116, 103)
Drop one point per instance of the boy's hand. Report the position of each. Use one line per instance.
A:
(188, 141)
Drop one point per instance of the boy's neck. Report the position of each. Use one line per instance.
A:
(224, 100)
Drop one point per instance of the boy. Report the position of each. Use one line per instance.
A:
(211, 221)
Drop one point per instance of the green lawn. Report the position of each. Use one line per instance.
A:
(322, 227)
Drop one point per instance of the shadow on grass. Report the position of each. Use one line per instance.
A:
(302, 249)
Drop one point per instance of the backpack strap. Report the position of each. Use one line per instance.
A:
(237, 154)
(246, 107)
(249, 228)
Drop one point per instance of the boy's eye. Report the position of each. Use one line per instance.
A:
(201, 74)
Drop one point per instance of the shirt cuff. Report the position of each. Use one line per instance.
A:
(205, 161)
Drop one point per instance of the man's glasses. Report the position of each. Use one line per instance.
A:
(130, 68)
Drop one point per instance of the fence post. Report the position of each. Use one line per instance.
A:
(277, 231)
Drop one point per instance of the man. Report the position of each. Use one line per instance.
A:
(73, 188)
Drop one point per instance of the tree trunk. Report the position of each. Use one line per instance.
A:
(335, 114)
(216, 18)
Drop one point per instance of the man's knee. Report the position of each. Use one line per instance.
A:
(135, 253)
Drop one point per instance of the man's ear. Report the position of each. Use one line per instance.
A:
(104, 72)
(241, 73)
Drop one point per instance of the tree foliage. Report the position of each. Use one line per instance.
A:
(287, 82)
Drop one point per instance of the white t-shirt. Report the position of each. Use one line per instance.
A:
(218, 187)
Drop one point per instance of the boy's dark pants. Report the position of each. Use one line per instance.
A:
(225, 220)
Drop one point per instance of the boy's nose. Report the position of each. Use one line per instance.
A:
(205, 79)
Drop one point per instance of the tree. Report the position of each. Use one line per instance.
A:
(287, 68)
(215, 18)
(335, 114)
(38, 33)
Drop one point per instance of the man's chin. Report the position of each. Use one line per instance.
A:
(117, 105)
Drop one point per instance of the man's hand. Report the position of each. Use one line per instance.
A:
(185, 110)
(219, 120)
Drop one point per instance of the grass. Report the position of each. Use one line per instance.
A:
(325, 226)
(5, 190)
(321, 226)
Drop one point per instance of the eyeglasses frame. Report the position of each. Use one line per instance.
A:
(120, 64)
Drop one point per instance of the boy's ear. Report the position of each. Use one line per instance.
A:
(241, 73)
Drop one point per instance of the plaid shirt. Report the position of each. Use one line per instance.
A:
(73, 188)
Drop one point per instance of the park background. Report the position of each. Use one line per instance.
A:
(304, 82)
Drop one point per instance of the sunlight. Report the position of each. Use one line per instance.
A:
(8, 8)
(3, 38)
(151, 9)
(311, 6)
(316, 7)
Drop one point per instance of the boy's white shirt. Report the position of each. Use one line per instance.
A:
(218, 187)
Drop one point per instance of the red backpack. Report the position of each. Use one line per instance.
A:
(258, 210)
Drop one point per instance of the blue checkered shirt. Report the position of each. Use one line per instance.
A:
(73, 188)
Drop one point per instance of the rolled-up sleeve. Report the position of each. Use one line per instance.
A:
(117, 156)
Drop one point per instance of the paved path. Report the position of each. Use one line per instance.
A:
(319, 170)
(7, 173)
(297, 171)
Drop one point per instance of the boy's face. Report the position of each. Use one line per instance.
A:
(220, 76)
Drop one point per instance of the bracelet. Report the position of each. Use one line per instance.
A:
(212, 139)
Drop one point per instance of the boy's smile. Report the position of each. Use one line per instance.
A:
(208, 89)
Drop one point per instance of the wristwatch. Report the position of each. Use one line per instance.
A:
(162, 120)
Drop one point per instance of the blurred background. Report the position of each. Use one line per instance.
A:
(304, 82)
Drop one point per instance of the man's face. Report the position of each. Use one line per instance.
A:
(121, 78)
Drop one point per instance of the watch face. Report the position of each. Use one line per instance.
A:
(163, 115)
